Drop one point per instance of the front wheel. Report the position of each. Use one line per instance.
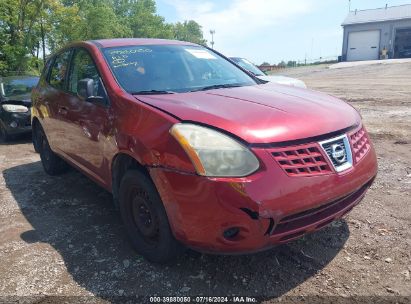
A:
(146, 220)
(52, 163)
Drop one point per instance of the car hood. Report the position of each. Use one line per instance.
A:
(265, 113)
(23, 99)
(284, 80)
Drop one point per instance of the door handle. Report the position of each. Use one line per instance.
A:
(63, 110)
(86, 131)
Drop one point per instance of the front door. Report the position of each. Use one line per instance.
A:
(90, 120)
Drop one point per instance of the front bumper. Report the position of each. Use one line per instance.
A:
(16, 123)
(267, 208)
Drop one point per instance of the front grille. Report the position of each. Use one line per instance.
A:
(360, 144)
(308, 217)
(303, 160)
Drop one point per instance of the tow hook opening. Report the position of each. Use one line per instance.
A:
(253, 214)
(231, 233)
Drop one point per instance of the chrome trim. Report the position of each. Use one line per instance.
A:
(348, 152)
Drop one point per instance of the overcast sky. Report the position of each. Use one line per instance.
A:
(270, 30)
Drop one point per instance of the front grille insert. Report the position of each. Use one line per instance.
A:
(360, 144)
(338, 150)
(302, 160)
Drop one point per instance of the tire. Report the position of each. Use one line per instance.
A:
(146, 220)
(4, 136)
(52, 164)
(35, 138)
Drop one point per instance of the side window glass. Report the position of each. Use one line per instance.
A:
(83, 67)
(58, 71)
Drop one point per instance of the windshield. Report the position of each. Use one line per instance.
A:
(247, 65)
(16, 87)
(172, 68)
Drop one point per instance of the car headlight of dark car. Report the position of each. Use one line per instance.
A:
(15, 108)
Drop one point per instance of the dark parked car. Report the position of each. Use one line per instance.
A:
(15, 105)
(405, 52)
(197, 152)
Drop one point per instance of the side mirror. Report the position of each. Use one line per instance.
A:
(85, 88)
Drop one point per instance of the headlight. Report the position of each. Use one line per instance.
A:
(301, 84)
(214, 153)
(15, 108)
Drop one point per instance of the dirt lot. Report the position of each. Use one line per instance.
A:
(62, 237)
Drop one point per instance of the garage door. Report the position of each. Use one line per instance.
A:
(363, 45)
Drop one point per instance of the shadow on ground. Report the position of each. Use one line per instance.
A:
(78, 219)
(17, 140)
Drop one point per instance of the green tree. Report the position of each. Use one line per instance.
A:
(30, 28)
(17, 26)
(144, 22)
(61, 24)
(100, 22)
(189, 31)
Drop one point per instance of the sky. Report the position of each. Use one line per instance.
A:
(270, 30)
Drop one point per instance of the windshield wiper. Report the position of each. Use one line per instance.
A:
(152, 92)
(217, 86)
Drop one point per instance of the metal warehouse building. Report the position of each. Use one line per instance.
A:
(377, 34)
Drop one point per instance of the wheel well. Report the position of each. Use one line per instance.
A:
(122, 163)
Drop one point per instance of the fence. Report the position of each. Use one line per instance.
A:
(298, 63)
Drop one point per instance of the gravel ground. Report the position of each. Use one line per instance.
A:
(62, 237)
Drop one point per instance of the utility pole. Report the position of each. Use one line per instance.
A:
(212, 32)
(349, 5)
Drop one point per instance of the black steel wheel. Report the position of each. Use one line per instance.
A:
(146, 220)
(52, 163)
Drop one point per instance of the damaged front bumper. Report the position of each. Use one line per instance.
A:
(242, 215)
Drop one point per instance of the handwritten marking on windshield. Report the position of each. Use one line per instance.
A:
(130, 51)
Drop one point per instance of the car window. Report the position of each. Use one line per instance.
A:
(83, 67)
(247, 65)
(46, 70)
(58, 71)
(15, 86)
(172, 68)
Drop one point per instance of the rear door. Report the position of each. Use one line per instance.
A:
(89, 121)
(364, 45)
(52, 97)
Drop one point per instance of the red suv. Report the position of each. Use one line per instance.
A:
(196, 151)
